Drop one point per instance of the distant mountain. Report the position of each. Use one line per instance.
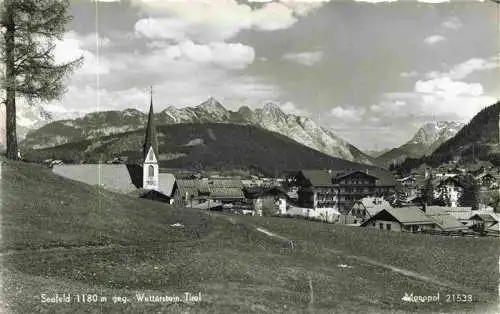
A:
(376, 153)
(427, 139)
(477, 140)
(270, 117)
(206, 146)
(31, 117)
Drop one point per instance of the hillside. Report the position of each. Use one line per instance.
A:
(204, 146)
(270, 117)
(477, 140)
(427, 139)
(61, 236)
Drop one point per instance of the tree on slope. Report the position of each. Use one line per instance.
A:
(29, 30)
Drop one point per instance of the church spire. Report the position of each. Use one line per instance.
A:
(150, 140)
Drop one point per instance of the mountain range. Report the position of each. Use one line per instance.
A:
(269, 117)
(425, 141)
(204, 146)
(477, 140)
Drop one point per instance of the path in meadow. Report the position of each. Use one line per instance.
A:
(455, 287)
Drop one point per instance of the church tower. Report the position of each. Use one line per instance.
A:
(150, 169)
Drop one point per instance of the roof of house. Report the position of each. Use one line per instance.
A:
(317, 177)
(484, 217)
(348, 173)
(154, 195)
(217, 188)
(167, 183)
(405, 215)
(216, 192)
(373, 205)
(445, 220)
(484, 174)
(385, 178)
(322, 178)
(116, 178)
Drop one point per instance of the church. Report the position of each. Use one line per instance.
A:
(145, 181)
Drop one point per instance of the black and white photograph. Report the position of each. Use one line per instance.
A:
(250, 156)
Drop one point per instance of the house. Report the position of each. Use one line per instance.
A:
(404, 219)
(486, 180)
(340, 188)
(368, 207)
(443, 219)
(354, 185)
(462, 214)
(483, 222)
(316, 189)
(323, 213)
(448, 188)
(270, 201)
(409, 186)
(191, 192)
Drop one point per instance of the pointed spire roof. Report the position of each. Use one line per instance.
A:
(150, 139)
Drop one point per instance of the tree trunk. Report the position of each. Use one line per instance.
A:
(10, 101)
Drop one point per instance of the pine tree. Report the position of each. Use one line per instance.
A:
(470, 195)
(428, 192)
(29, 29)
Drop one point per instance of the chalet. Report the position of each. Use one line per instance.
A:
(191, 192)
(443, 219)
(486, 180)
(316, 189)
(409, 185)
(483, 222)
(340, 188)
(271, 201)
(368, 207)
(448, 187)
(354, 185)
(405, 219)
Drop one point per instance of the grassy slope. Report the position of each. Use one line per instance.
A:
(237, 269)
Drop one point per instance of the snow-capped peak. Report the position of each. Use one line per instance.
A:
(434, 131)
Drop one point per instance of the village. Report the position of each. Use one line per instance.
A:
(428, 200)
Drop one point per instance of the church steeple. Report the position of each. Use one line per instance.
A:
(150, 169)
(150, 139)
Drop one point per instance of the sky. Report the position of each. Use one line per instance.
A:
(372, 71)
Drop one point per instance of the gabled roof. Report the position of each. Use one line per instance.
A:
(385, 178)
(167, 183)
(150, 139)
(218, 188)
(404, 215)
(319, 178)
(445, 221)
(155, 195)
(484, 174)
(483, 217)
(373, 205)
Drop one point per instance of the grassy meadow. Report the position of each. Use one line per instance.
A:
(61, 236)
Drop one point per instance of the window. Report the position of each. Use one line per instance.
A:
(151, 171)
(381, 225)
(388, 226)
